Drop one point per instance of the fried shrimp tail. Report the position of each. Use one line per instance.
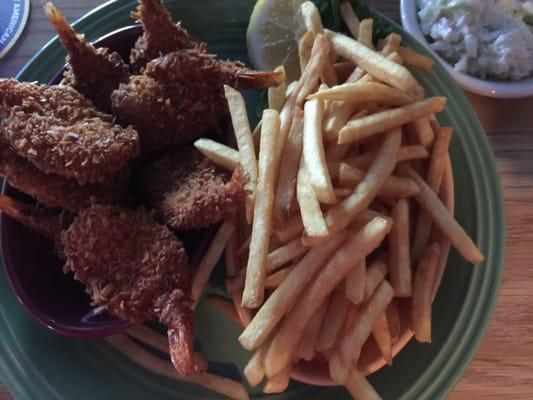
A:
(95, 73)
(161, 36)
(180, 330)
(136, 269)
(181, 95)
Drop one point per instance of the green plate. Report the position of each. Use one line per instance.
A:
(37, 364)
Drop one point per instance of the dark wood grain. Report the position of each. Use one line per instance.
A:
(503, 366)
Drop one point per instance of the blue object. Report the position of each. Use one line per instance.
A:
(13, 17)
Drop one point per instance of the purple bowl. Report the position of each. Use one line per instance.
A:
(34, 272)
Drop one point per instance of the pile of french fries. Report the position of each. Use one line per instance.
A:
(343, 225)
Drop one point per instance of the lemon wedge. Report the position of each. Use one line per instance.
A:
(272, 36)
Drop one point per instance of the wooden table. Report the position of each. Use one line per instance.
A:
(503, 366)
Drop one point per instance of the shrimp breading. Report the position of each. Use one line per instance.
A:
(181, 95)
(161, 36)
(60, 132)
(95, 73)
(136, 269)
(54, 190)
(188, 191)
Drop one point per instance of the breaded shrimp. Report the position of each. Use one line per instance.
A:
(188, 191)
(181, 95)
(95, 73)
(136, 269)
(60, 132)
(161, 36)
(54, 190)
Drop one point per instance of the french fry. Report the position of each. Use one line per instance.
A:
(230, 253)
(449, 227)
(344, 213)
(276, 94)
(160, 342)
(350, 18)
(375, 273)
(374, 63)
(415, 59)
(273, 281)
(137, 354)
(244, 314)
(254, 371)
(393, 187)
(210, 259)
(291, 330)
(391, 43)
(364, 36)
(262, 224)
(339, 114)
(354, 287)
(329, 76)
(422, 292)
(313, 220)
(285, 193)
(245, 143)
(245, 245)
(256, 135)
(333, 320)
(225, 306)
(313, 152)
(305, 44)
(220, 154)
(282, 255)
(336, 152)
(382, 336)
(365, 127)
(372, 91)
(393, 319)
(400, 258)
(308, 82)
(306, 85)
(291, 86)
(435, 173)
(275, 307)
(290, 230)
(306, 348)
(277, 383)
(406, 153)
(359, 387)
(421, 128)
(311, 17)
(350, 344)
(236, 283)
(342, 192)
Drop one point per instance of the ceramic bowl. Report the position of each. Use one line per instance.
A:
(490, 88)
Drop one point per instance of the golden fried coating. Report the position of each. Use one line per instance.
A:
(136, 269)
(95, 73)
(161, 36)
(181, 95)
(54, 190)
(188, 191)
(60, 132)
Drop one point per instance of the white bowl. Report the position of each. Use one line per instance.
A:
(498, 89)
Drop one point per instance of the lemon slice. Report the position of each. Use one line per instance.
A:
(272, 36)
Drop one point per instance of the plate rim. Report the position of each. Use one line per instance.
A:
(489, 182)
